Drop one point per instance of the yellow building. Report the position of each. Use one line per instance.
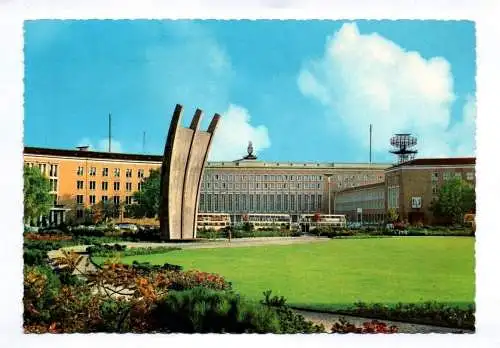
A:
(82, 178)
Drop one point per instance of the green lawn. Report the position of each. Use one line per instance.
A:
(340, 272)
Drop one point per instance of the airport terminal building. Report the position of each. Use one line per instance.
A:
(81, 178)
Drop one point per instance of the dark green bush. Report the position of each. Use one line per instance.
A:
(290, 322)
(431, 313)
(203, 310)
(34, 257)
(146, 267)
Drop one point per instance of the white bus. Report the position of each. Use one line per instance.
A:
(259, 221)
(311, 221)
(213, 221)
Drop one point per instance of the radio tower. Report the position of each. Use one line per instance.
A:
(404, 146)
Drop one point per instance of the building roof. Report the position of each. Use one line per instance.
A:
(220, 164)
(449, 161)
(91, 154)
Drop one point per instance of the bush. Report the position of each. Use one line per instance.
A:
(41, 287)
(290, 322)
(203, 310)
(146, 267)
(431, 313)
(192, 278)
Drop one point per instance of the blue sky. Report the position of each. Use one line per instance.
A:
(300, 90)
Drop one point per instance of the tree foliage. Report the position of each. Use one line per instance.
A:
(148, 198)
(455, 198)
(37, 197)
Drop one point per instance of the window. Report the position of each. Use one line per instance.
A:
(470, 176)
(128, 186)
(53, 184)
(116, 186)
(458, 175)
(79, 213)
(79, 199)
(91, 185)
(92, 199)
(128, 200)
(53, 170)
(140, 173)
(54, 199)
(42, 167)
(104, 171)
(104, 185)
(92, 171)
(79, 185)
(435, 176)
(434, 190)
(447, 175)
(79, 171)
(116, 200)
(104, 198)
(128, 173)
(116, 172)
(139, 186)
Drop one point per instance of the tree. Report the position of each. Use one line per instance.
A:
(37, 197)
(455, 198)
(104, 211)
(148, 198)
(392, 215)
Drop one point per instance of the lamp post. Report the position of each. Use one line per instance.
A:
(328, 177)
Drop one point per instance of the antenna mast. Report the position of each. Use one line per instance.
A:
(109, 132)
(370, 143)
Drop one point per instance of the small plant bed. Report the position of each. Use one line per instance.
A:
(106, 250)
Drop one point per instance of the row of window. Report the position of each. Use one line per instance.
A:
(237, 186)
(259, 203)
(268, 177)
(447, 175)
(116, 199)
(52, 168)
(105, 172)
(365, 204)
(104, 185)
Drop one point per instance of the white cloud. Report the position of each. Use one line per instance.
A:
(101, 145)
(233, 134)
(363, 79)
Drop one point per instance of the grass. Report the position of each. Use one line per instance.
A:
(337, 273)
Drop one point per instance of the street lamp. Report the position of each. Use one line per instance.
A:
(328, 176)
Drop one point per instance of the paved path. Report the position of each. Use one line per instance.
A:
(328, 319)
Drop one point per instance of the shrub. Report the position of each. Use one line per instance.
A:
(290, 322)
(146, 267)
(432, 313)
(204, 310)
(41, 287)
(192, 278)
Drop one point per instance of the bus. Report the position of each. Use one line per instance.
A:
(260, 221)
(213, 221)
(311, 221)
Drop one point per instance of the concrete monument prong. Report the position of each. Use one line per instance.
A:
(185, 156)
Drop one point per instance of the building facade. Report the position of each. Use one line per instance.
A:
(251, 186)
(364, 204)
(412, 186)
(82, 178)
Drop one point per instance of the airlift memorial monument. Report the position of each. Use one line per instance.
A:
(185, 156)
